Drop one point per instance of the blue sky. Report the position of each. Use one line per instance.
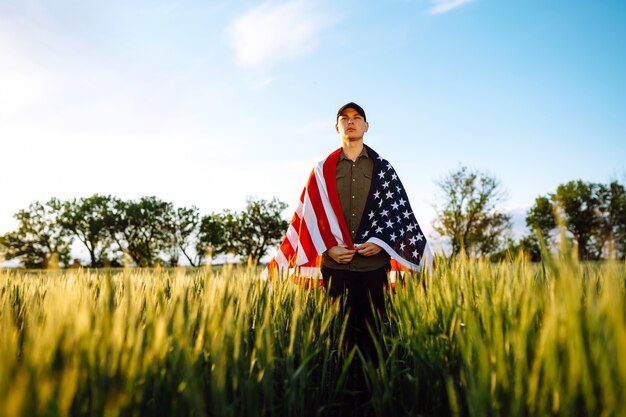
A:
(206, 102)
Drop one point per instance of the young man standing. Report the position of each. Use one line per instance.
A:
(355, 213)
(361, 274)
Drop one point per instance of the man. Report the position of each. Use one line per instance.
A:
(352, 208)
(360, 273)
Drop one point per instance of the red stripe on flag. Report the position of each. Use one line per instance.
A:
(318, 207)
(306, 242)
(330, 174)
(288, 251)
(314, 263)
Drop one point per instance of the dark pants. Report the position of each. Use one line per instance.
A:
(363, 294)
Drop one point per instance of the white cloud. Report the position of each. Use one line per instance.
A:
(444, 6)
(270, 33)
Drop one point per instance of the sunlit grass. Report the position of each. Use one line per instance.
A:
(471, 339)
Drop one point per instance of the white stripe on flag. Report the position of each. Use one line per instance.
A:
(330, 213)
(292, 235)
(281, 260)
(299, 209)
(310, 219)
(301, 259)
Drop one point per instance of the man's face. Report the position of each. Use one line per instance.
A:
(351, 125)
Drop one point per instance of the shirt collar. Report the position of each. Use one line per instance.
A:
(362, 154)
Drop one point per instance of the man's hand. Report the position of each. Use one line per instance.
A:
(369, 249)
(340, 254)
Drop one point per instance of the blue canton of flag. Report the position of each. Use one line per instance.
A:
(389, 221)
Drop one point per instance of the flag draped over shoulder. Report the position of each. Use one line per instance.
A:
(318, 223)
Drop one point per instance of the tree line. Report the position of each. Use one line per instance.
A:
(149, 231)
(144, 232)
(592, 216)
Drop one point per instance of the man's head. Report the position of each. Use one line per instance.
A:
(351, 122)
(354, 106)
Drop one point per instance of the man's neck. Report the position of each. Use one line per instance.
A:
(352, 149)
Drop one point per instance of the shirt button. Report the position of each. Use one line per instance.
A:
(353, 197)
(353, 214)
(353, 179)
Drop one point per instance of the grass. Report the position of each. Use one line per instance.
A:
(475, 339)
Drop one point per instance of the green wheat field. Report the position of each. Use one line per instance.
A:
(471, 339)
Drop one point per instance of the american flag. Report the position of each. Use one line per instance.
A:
(318, 223)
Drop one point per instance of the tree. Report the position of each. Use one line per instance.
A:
(86, 219)
(594, 215)
(186, 233)
(611, 239)
(580, 206)
(142, 228)
(540, 217)
(618, 217)
(541, 222)
(468, 215)
(212, 235)
(252, 232)
(39, 241)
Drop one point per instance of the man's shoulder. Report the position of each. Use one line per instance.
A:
(375, 156)
(332, 156)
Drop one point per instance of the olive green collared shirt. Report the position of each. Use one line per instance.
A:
(353, 185)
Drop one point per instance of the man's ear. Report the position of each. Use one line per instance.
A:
(337, 127)
(367, 126)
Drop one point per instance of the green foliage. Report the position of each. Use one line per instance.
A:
(594, 215)
(39, 241)
(186, 224)
(613, 212)
(579, 204)
(253, 231)
(540, 218)
(87, 220)
(212, 234)
(143, 228)
(468, 215)
(145, 232)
